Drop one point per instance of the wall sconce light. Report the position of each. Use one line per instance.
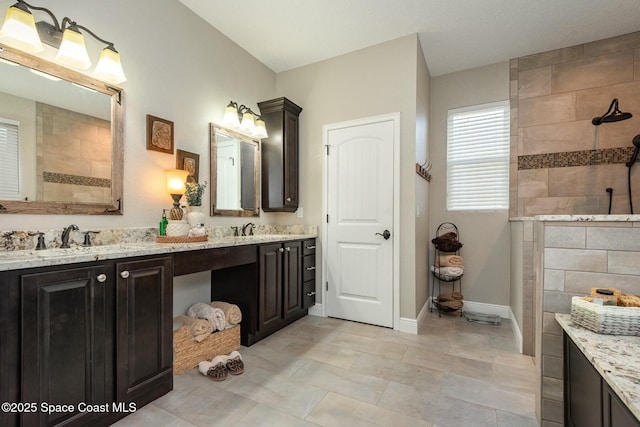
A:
(22, 32)
(176, 187)
(613, 114)
(251, 124)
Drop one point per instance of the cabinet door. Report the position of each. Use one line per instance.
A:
(144, 334)
(270, 286)
(616, 413)
(292, 281)
(67, 350)
(290, 150)
(583, 389)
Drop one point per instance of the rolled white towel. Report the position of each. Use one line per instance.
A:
(201, 310)
(449, 271)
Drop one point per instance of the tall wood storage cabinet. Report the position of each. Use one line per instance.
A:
(280, 155)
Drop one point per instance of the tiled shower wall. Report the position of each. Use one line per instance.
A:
(561, 163)
(73, 156)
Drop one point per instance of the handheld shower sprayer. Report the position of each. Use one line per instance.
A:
(634, 157)
(629, 164)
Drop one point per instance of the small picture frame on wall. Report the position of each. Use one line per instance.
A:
(159, 134)
(189, 162)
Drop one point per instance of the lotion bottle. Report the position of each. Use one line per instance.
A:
(163, 223)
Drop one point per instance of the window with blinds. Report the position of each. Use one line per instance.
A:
(9, 158)
(478, 158)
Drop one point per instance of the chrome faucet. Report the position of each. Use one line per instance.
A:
(65, 235)
(244, 229)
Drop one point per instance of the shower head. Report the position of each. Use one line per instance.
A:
(613, 114)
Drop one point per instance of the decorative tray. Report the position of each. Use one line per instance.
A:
(181, 239)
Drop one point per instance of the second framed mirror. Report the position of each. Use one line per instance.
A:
(235, 173)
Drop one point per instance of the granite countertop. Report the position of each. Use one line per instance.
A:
(580, 218)
(615, 357)
(15, 260)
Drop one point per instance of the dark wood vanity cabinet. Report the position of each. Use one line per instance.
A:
(66, 351)
(308, 273)
(144, 335)
(85, 335)
(279, 285)
(280, 155)
(588, 399)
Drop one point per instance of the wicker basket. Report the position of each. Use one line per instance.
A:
(188, 352)
(605, 319)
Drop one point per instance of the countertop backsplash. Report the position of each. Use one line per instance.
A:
(15, 240)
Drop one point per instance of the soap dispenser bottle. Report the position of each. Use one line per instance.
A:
(163, 223)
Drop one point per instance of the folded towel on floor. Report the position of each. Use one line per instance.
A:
(201, 310)
(449, 261)
(200, 328)
(232, 312)
(448, 271)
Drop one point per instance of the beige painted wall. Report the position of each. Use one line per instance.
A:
(422, 244)
(485, 235)
(186, 76)
(369, 82)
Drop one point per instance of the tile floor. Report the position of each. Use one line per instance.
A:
(329, 372)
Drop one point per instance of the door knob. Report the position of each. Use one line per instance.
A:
(386, 234)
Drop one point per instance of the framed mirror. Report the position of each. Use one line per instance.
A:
(235, 173)
(63, 139)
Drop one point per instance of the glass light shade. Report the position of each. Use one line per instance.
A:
(176, 179)
(72, 51)
(260, 130)
(19, 31)
(109, 68)
(230, 118)
(247, 125)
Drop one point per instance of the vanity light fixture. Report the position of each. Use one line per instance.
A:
(613, 114)
(22, 32)
(251, 124)
(176, 187)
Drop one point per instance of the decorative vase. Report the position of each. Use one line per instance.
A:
(195, 216)
(177, 228)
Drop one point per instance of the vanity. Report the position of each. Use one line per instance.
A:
(91, 327)
(600, 385)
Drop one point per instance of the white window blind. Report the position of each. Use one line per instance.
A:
(478, 158)
(9, 158)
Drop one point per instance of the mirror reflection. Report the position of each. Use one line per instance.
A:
(61, 137)
(235, 172)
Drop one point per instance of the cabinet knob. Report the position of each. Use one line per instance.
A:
(281, 250)
(101, 278)
(288, 249)
(311, 247)
(310, 294)
(313, 267)
(124, 274)
(288, 199)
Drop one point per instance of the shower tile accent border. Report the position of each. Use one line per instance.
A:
(88, 181)
(606, 156)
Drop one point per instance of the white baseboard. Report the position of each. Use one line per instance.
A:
(316, 310)
(410, 326)
(504, 311)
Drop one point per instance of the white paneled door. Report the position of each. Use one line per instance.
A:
(359, 203)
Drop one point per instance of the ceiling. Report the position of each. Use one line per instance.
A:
(454, 34)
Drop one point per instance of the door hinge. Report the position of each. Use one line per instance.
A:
(327, 218)
(327, 145)
(326, 286)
